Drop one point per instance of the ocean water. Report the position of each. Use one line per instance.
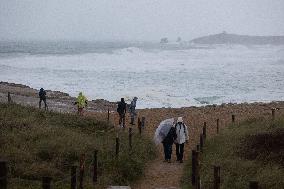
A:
(173, 75)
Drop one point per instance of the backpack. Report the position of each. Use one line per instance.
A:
(121, 106)
(183, 127)
(42, 93)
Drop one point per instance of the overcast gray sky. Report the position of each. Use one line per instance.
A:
(137, 19)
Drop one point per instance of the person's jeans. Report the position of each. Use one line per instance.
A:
(179, 151)
(167, 151)
(44, 101)
(122, 120)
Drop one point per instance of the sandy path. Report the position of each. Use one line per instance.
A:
(164, 175)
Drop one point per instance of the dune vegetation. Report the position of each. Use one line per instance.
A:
(250, 151)
(37, 143)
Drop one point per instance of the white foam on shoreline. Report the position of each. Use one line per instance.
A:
(160, 78)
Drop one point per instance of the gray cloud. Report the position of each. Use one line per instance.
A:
(137, 19)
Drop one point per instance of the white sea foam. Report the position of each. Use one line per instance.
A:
(160, 78)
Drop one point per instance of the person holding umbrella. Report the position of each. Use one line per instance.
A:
(166, 134)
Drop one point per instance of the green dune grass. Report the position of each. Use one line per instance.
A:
(37, 143)
(251, 151)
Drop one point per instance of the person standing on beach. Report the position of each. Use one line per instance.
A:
(121, 110)
(81, 103)
(182, 137)
(132, 110)
(168, 143)
(42, 97)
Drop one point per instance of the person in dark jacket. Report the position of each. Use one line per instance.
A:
(121, 110)
(42, 97)
(168, 142)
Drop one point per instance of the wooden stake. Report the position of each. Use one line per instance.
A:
(3, 174)
(9, 98)
(46, 181)
(108, 115)
(253, 185)
(217, 177)
(204, 130)
(273, 113)
(73, 177)
(233, 118)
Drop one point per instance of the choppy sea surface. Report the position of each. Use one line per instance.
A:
(160, 75)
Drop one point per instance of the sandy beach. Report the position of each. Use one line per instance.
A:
(158, 174)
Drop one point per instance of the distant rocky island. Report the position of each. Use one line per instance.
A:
(226, 38)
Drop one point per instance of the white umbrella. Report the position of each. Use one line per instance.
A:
(163, 129)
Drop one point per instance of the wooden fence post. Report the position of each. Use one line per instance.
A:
(73, 177)
(273, 113)
(217, 179)
(95, 175)
(197, 147)
(253, 185)
(217, 125)
(193, 167)
(130, 138)
(108, 115)
(46, 182)
(116, 146)
(143, 122)
(9, 98)
(3, 174)
(82, 170)
(233, 118)
(197, 170)
(139, 123)
(204, 130)
(201, 142)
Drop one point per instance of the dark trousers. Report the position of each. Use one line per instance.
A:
(167, 151)
(122, 120)
(179, 151)
(44, 101)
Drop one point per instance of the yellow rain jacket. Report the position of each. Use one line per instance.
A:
(81, 100)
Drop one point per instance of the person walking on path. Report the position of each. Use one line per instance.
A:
(168, 143)
(182, 137)
(121, 110)
(81, 103)
(132, 108)
(42, 97)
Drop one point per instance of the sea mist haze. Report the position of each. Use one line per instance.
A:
(160, 75)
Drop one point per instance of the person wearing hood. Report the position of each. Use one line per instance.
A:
(42, 97)
(182, 137)
(132, 111)
(81, 103)
(121, 110)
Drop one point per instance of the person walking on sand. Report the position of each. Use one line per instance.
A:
(132, 110)
(81, 103)
(182, 137)
(121, 110)
(168, 143)
(42, 97)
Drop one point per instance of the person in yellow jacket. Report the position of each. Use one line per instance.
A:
(81, 103)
